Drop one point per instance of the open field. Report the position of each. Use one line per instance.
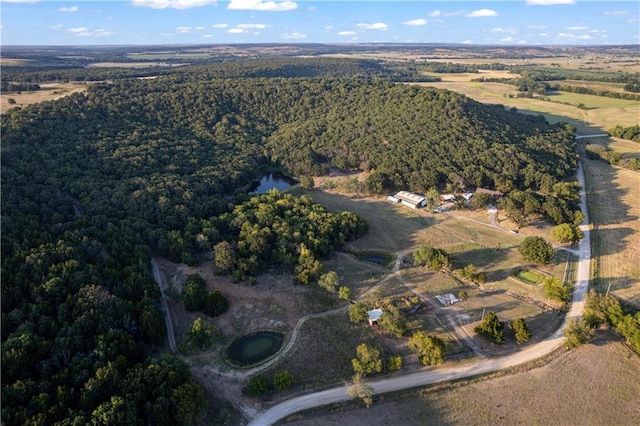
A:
(48, 92)
(132, 64)
(615, 213)
(603, 112)
(572, 389)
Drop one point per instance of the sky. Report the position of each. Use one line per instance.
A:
(147, 22)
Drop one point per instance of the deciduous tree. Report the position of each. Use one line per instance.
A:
(430, 349)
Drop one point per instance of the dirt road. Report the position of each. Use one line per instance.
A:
(435, 375)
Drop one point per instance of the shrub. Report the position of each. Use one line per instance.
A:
(358, 312)
(394, 363)
(520, 327)
(344, 293)
(256, 386)
(430, 349)
(577, 333)
(282, 381)
(556, 290)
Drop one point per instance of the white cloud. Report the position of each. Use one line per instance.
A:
(86, 32)
(581, 28)
(501, 30)
(347, 33)
(70, 9)
(415, 22)
(549, 2)
(536, 27)
(245, 28)
(183, 30)
(56, 27)
(466, 42)
(262, 6)
(220, 25)
(294, 35)
(252, 26)
(199, 28)
(376, 26)
(482, 13)
(435, 13)
(172, 4)
(616, 13)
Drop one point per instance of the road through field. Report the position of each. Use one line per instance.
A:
(436, 375)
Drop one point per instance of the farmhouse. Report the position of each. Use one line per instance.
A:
(410, 199)
(374, 315)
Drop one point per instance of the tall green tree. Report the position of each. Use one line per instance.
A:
(430, 349)
(521, 329)
(367, 360)
(224, 257)
(536, 250)
(491, 327)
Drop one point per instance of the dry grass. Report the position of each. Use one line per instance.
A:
(605, 112)
(48, 92)
(615, 211)
(571, 389)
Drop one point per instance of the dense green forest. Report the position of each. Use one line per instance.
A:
(93, 183)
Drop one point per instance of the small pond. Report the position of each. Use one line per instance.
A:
(273, 180)
(254, 347)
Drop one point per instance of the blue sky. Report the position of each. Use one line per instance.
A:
(506, 22)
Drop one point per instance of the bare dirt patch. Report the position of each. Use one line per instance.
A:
(571, 389)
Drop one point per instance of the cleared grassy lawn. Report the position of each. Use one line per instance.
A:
(322, 355)
(357, 275)
(391, 227)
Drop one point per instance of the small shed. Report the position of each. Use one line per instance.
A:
(447, 299)
(374, 315)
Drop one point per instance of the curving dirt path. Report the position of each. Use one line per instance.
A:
(434, 375)
(171, 337)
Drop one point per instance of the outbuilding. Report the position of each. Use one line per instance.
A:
(374, 316)
(410, 199)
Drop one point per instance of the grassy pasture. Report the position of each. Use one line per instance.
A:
(322, 355)
(604, 113)
(48, 92)
(569, 390)
(391, 227)
(615, 212)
